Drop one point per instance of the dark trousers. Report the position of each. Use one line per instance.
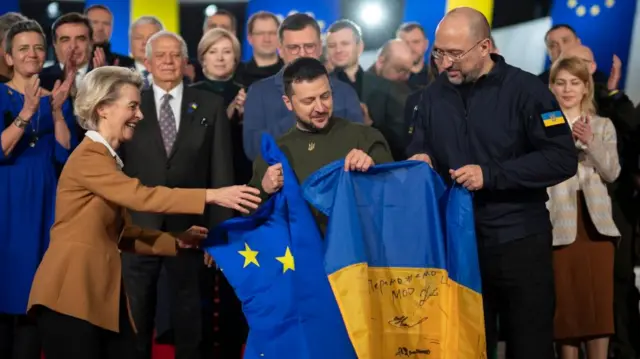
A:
(518, 287)
(19, 337)
(66, 337)
(190, 301)
(232, 327)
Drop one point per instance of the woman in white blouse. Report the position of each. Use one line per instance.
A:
(584, 233)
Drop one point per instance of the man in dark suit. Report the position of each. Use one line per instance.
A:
(101, 20)
(73, 45)
(382, 100)
(184, 141)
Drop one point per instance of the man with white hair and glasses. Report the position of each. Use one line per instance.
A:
(184, 141)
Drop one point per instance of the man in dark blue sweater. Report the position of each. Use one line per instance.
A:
(499, 132)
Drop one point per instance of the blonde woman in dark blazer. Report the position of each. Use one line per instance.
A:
(77, 293)
(584, 233)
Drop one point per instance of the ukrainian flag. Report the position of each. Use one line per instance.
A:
(274, 261)
(402, 261)
(552, 118)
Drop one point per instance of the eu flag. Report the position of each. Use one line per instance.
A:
(274, 261)
(402, 260)
(605, 26)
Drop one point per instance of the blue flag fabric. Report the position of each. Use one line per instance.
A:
(402, 260)
(274, 261)
(594, 20)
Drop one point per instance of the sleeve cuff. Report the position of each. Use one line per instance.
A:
(487, 177)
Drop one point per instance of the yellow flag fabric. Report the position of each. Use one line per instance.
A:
(167, 11)
(402, 261)
(484, 6)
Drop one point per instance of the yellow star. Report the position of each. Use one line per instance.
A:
(249, 255)
(594, 10)
(287, 261)
(609, 3)
(572, 3)
(581, 11)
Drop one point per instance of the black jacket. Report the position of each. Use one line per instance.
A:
(199, 159)
(498, 123)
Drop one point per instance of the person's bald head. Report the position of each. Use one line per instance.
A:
(583, 53)
(394, 61)
(467, 21)
(462, 45)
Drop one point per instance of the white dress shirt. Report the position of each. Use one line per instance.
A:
(141, 69)
(175, 102)
(80, 74)
(96, 137)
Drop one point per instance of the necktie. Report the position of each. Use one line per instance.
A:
(167, 123)
(145, 78)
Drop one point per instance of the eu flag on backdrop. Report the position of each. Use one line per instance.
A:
(274, 261)
(402, 260)
(605, 26)
(324, 11)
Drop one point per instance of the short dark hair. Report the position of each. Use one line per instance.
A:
(230, 15)
(410, 26)
(346, 24)
(97, 7)
(560, 26)
(71, 18)
(261, 15)
(297, 22)
(302, 69)
(20, 27)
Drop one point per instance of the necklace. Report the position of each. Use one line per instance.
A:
(34, 129)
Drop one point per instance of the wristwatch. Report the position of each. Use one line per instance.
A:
(20, 123)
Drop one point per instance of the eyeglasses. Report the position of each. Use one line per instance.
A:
(439, 55)
(295, 49)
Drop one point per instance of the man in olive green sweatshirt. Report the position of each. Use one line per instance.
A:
(318, 138)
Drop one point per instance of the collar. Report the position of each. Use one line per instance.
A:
(254, 65)
(140, 67)
(497, 72)
(342, 75)
(81, 70)
(323, 131)
(97, 137)
(175, 92)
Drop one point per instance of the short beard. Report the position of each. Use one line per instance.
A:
(469, 77)
(306, 126)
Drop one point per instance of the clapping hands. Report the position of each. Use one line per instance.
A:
(32, 93)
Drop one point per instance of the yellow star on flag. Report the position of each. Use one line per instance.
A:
(249, 255)
(287, 261)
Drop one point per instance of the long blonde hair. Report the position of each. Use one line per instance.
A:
(576, 67)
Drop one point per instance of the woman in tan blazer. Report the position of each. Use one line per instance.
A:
(77, 292)
(583, 229)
